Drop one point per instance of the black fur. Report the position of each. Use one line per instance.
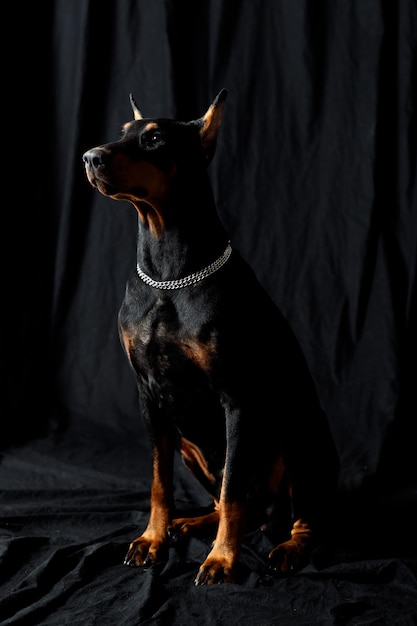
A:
(221, 376)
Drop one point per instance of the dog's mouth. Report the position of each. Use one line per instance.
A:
(104, 187)
(107, 189)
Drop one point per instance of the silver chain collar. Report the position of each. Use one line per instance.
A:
(191, 279)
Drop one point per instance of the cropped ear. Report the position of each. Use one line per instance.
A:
(136, 113)
(210, 124)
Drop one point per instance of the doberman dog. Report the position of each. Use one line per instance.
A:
(220, 373)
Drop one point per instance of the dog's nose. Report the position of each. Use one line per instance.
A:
(94, 158)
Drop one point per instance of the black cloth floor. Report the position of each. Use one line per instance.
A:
(70, 507)
(315, 180)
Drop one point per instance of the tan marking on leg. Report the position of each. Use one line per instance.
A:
(220, 565)
(195, 460)
(185, 525)
(291, 555)
(150, 546)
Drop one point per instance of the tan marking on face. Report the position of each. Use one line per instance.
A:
(152, 217)
(201, 353)
(127, 176)
(122, 180)
(151, 126)
(127, 125)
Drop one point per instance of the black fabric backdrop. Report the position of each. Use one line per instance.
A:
(315, 178)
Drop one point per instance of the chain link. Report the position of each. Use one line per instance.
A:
(191, 279)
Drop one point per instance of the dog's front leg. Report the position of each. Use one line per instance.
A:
(221, 563)
(150, 547)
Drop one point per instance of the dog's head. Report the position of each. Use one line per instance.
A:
(141, 165)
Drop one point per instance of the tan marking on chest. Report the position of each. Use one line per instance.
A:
(201, 353)
(127, 343)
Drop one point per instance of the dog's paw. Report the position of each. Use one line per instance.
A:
(214, 574)
(287, 558)
(216, 570)
(290, 556)
(144, 553)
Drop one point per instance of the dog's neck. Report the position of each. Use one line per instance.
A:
(191, 236)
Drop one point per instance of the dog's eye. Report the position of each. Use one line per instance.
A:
(153, 138)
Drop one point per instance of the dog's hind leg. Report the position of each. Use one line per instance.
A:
(196, 463)
(185, 525)
(292, 555)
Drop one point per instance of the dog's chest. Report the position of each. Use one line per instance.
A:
(165, 339)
